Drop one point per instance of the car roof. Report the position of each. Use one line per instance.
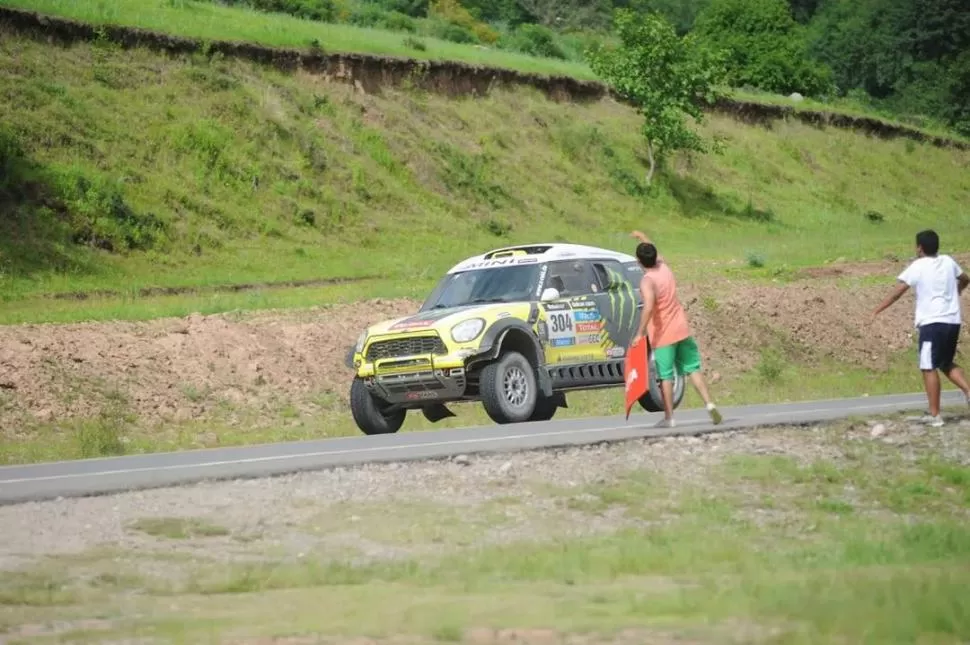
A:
(538, 253)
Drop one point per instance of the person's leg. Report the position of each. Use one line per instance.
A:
(928, 356)
(948, 353)
(689, 364)
(664, 358)
(931, 383)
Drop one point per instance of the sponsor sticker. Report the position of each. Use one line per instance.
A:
(583, 316)
(588, 339)
(562, 342)
(423, 394)
(412, 324)
(587, 327)
(556, 306)
(616, 352)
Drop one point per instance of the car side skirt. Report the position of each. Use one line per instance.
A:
(585, 375)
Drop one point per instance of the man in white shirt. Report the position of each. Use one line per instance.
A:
(939, 281)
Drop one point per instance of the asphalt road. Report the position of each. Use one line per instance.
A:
(114, 474)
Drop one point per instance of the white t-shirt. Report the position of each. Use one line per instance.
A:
(935, 282)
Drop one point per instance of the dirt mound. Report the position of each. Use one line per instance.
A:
(180, 368)
(187, 368)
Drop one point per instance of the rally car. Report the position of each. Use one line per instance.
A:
(515, 328)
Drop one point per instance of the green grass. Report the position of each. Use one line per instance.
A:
(206, 172)
(865, 545)
(135, 307)
(178, 528)
(852, 108)
(207, 20)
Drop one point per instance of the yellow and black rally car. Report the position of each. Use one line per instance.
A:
(515, 328)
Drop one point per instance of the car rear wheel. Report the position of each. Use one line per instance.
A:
(652, 400)
(368, 413)
(508, 389)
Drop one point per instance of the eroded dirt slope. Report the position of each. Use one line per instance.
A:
(190, 367)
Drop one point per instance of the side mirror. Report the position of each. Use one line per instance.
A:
(551, 293)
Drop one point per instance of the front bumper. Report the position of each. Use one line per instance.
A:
(415, 379)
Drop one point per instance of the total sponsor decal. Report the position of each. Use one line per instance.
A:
(587, 327)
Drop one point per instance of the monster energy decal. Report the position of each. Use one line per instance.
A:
(623, 311)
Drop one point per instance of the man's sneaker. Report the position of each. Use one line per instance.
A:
(665, 423)
(933, 422)
(715, 413)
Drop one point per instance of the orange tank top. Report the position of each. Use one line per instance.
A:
(668, 323)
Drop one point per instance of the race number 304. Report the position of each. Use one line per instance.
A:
(561, 323)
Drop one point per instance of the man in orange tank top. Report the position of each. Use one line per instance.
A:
(664, 322)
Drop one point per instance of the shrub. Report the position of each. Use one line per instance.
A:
(411, 8)
(453, 12)
(444, 30)
(101, 217)
(371, 15)
(323, 10)
(535, 40)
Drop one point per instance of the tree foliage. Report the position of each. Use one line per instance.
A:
(569, 14)
(766, 48)
(664, 76)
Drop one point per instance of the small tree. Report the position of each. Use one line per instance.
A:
(665, 77)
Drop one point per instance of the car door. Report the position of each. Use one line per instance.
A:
(618, 299)
(571, 326)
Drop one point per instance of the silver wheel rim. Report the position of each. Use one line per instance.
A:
(515, 387)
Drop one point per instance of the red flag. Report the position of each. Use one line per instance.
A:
(636, 373)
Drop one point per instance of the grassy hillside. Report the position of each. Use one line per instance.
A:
(124, 169)
(216, 22)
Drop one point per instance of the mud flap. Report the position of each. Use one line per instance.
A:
(436, 412)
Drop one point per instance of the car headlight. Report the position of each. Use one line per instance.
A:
(467, 330)
(359, 347)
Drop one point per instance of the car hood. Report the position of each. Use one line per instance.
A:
(443, 319)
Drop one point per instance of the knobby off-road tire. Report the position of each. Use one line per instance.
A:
(652, 400)
(509, 389)
(367, 412)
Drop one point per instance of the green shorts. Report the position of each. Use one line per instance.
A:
(683, 354)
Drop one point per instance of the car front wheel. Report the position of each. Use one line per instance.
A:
(508, 388)
(367, 412)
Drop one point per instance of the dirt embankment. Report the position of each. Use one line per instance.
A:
(370, 73)
(261, 363)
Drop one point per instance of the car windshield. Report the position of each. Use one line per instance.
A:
(515, 283)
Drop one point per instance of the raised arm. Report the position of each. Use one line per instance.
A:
(640, 235)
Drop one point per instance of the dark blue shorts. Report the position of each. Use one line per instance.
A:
(938, 346)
